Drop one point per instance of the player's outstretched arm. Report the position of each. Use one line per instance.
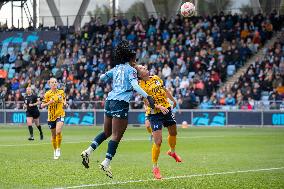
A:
(106, 76)
(138, 89)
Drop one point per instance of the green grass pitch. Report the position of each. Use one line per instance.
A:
(212, 158)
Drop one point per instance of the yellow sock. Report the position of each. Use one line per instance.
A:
(53, 142)
(172, 142)
(155, 153)
(58, 140)
(149, 129)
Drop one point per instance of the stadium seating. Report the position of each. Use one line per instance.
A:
(201, 51)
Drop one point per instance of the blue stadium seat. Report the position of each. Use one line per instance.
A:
(24, 46)
(54, 70)
(6, 67)
(231, 69)
(49, 45)
(11, 66)
(11, 73)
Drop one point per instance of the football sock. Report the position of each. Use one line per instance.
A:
(172, 142)
(112, 146)
(149, 129)
(106, 162)
(96, 142)
(89, 150)
(58, 140)
(39, 128)
(53, 142)
(31, 130)
(155, 153)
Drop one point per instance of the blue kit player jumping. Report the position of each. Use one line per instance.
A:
(124, 81)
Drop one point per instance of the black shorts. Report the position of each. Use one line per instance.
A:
(33, 114)
(117, 109)
(159, 120)
(52, 124)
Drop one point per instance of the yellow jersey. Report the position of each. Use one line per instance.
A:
(55, 110)
(155, 88)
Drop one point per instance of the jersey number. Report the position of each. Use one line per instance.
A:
(119, 78)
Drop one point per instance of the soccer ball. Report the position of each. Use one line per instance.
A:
(187, 9)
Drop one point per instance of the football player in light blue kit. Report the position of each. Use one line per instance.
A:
(124, 81)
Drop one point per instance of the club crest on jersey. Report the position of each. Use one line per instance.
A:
(157, 82)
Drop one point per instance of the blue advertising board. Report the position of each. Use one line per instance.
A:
(71, 118)
(15, 37)
(199, 118)
(2, 117)
(209, 118)
(138, 117)
(183, 116)
(244, 118)
(273, 118)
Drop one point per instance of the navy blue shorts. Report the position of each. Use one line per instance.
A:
(159, 120)
(52, 124)
(117, 109)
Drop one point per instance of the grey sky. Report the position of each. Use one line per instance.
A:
(70, 7)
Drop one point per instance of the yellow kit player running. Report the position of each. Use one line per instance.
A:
(55, 100)
(160, 116)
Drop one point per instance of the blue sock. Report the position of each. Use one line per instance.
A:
(112, 146)
(98, 140)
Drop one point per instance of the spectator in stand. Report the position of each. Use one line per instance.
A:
(199, 48)
(205, 104)
(230, 101)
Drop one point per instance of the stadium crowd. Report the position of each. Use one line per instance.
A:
(262, 85)
(193, 56)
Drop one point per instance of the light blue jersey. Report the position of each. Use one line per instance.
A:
(124, 81)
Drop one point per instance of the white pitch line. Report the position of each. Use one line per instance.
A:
(129, 139)
(172, 178)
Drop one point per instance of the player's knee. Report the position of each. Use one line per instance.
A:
(116, 137)
(107, 134)
(158, 142)
(173, 133)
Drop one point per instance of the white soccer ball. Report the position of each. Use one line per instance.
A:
(187, 9)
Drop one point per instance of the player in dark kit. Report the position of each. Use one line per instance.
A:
(32, 112)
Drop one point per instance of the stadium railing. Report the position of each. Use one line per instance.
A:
(90, 105)
(208, 118)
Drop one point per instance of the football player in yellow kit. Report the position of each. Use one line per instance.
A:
(55, 100)
(160, 116)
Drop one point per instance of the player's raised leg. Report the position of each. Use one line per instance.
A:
(172, 142)
(97, 141)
